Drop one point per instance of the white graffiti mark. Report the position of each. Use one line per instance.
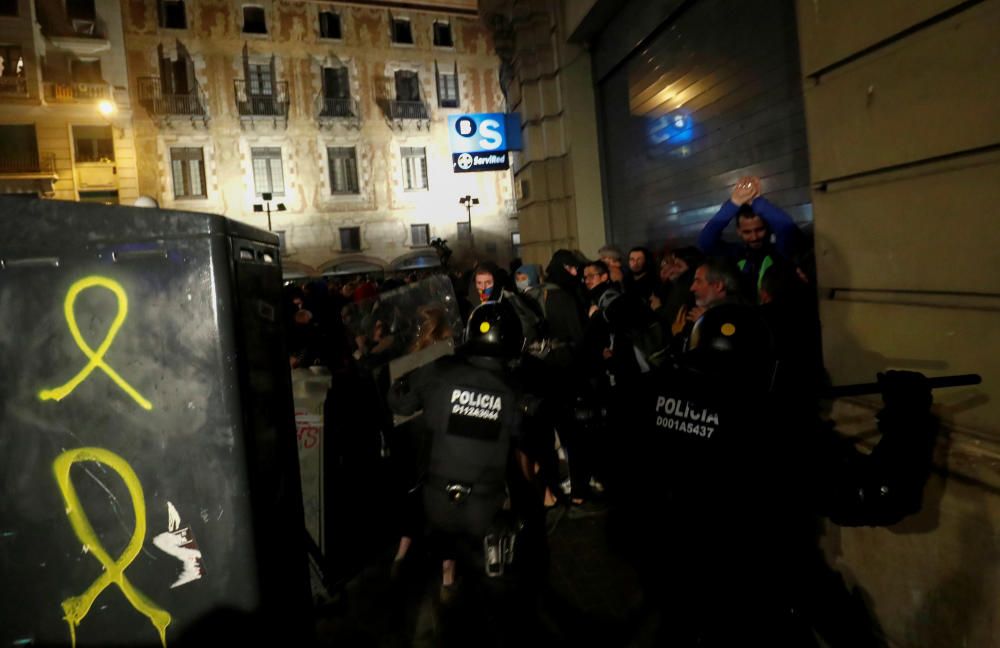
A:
(180, 544)
(173, 517)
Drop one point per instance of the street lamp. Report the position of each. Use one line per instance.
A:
(469, 201)
(267, 207)
(108, 110)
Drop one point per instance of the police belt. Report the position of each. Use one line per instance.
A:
(459, 490)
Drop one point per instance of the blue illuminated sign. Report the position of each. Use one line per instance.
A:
(484, 132)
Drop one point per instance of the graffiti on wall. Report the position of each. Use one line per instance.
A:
(77, 607)
(95, 359)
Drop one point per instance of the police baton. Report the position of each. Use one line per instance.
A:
(864, 389)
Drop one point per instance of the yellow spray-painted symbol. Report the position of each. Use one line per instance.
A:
(96, 357)
(77, 607)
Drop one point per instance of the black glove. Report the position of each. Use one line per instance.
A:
(905, 390)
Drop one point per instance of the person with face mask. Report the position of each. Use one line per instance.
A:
(488, 283)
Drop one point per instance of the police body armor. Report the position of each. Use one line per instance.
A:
(474, 410)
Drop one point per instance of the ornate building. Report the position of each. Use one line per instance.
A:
(65, 115)
(336, 112)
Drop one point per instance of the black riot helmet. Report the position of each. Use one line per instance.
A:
(732, 342)
(494, 330)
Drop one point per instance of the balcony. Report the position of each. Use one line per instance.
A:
(402, 114)
(76, 92)
(254, 107)
(13, 86)
(26, 172)
(342, 110)
(27, 162)
(165, 107)
(407, 110)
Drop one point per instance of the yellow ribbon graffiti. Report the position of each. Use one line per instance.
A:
(77, 607)
(96, 357)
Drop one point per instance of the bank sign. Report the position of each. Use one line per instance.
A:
(482, 142)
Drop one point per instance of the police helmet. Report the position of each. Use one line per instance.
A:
(733, 342)
(494, 330)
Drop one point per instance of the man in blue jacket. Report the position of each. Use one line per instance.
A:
(757, 220)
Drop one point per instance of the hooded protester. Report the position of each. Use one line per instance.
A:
(565, 310)
(488, 284)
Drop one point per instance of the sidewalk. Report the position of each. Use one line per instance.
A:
(586, 600)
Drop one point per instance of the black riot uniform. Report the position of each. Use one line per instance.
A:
(473, 412)
(736, 480)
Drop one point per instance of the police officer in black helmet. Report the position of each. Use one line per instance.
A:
(473, 412)
(729, 484)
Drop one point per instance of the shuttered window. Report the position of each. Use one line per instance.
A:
(187, 165)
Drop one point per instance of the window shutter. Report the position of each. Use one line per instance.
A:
(166, 78)
(344, 87)
(246, 63)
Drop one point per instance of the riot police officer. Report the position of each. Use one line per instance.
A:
(473, 411)
(730, 480)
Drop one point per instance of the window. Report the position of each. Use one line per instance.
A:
(337, 93)
(176, 77)
(336, 83)
(12, 79)
(8, 7)
(407, 86)
(267, 174)
(414, 168)
(100, 197)
(343, 169)
(515, 244)
(329, 25)
(442, 34)
(19, 152)
(188, 166)
(172, 14)
(350, 239)
(420, 235)
(402, 32)
(464, 231)
(81, 10)
(93, 144)
(447, 85)
(260, 79)
(254, 20)
(86, 71)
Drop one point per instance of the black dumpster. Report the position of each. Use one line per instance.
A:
(149, 489)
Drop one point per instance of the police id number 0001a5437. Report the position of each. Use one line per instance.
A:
(685, 416)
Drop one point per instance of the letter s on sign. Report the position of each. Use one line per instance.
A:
(491, 137)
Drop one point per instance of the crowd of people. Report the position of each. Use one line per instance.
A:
(588, 330)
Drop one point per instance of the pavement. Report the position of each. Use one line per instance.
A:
(588, 596)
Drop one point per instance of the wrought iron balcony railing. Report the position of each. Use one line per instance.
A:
(159, 103)
(338, 107)
(76, 91)
(13, 85)
(407, 110)
(26, 162)
(259, 104)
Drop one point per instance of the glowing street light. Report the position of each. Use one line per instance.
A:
(107, 108)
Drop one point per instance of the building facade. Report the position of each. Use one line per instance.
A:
(65, 116)
(547, 80)
(326, 122)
